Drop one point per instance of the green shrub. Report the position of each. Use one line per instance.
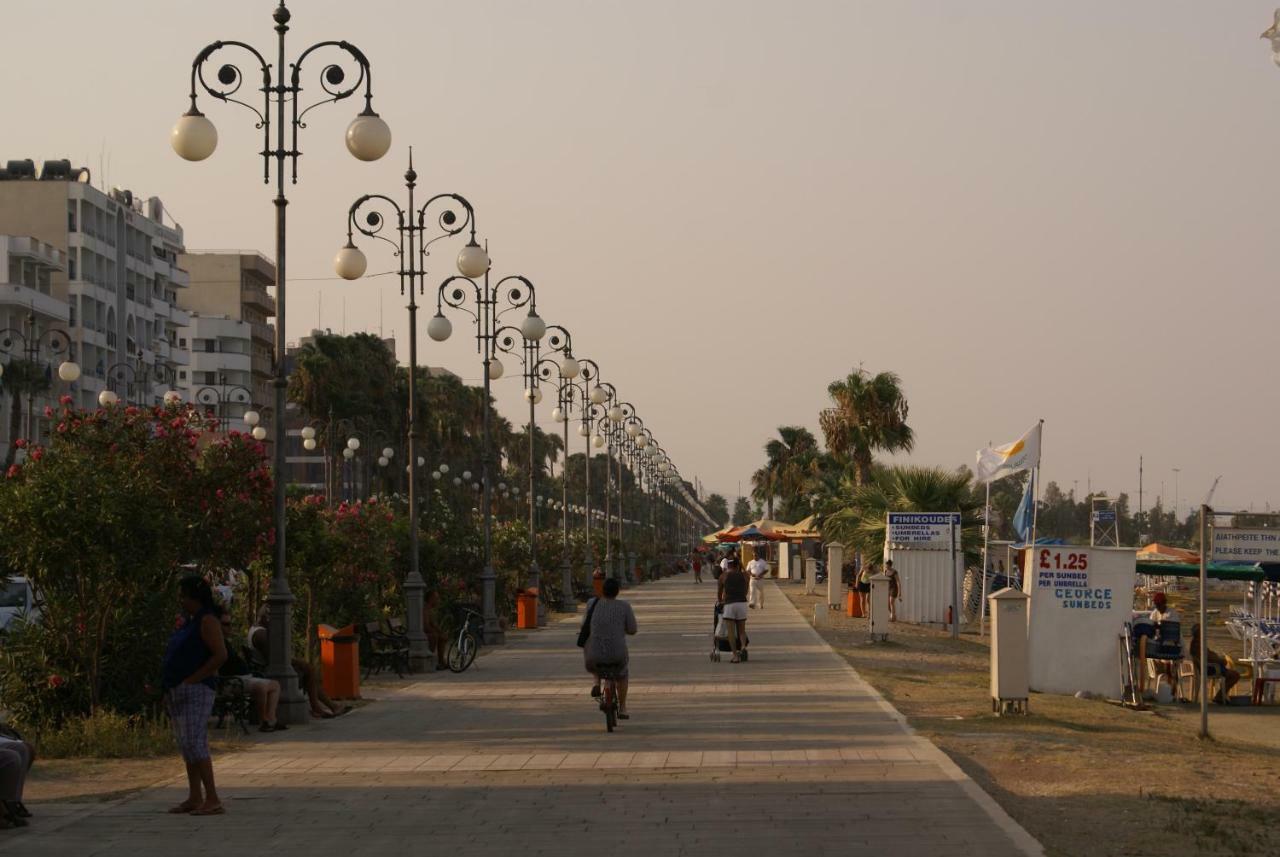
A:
(105, 735)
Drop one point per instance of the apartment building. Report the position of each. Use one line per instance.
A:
(121, 279)
(230, 338)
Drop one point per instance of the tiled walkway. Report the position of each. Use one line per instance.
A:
(788, 754)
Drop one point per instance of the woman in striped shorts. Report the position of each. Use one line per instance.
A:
(191, 661)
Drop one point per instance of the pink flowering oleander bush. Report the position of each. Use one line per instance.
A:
(103, 521)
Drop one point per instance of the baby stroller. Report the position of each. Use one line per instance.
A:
(721, 643)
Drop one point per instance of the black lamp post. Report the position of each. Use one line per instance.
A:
(567, 393)
(511, 340)
(220, 397)
(415, 231)
(53, 341)
(492, 300)
(133, 376)
(368, 138)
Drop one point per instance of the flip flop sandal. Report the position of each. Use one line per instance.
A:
(216, 810)
(180, 809)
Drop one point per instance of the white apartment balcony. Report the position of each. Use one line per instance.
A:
(219, 361)
(44, 306)
(25, 245)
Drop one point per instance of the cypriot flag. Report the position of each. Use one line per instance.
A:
(1001, 461)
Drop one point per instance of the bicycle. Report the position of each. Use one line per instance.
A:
(462, 650)
(609, 693)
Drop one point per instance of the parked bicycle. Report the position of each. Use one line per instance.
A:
(462, 649)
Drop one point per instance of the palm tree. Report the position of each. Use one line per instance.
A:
(861, 521)
(21, 378)
(791, 461)
(869, 413)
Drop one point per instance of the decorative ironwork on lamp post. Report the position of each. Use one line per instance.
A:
(131, 376)
(413, 225)
(195, 138)
(511, 340)
(567, 390)
(491, 300)
(53, 341)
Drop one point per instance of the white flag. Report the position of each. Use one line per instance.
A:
(1001, 461)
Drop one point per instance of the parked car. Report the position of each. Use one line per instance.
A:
(17, 598)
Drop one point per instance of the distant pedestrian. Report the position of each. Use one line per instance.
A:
(758, 568)
(195, 652)
(697, 569)
(864, 586)
(895, 590)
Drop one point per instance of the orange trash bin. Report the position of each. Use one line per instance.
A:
(597, 583)
(853, 607)
(527, 608)
(340, 659)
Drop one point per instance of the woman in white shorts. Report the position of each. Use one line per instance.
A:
(734, 592)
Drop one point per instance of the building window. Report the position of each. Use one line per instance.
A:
(71, 217)
(71, 265)
(182, 375)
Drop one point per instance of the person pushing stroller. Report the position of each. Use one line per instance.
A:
(733, 592)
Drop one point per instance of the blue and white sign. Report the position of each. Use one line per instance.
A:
(922, 530)
(1234, 544)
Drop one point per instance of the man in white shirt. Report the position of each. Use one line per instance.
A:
(758, 569)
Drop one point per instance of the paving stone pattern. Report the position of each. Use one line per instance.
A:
(790, 753)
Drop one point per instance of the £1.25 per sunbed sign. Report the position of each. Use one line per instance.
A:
(1234, 544)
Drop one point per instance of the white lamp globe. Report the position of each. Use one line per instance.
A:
(466, 474)
(193, 137)
(473, 261)
(308, 433)
(495, 368)
(557, 415)
(444, 468)
(350, 262)
(456, 481)
(353, 443)
(663, 467)
(502, 486)
(439, 328)
(570, 368)
(107, 398)
(172, 397)
(259, 433)
(534, 395)
(475, 485)
(388, 452)
(533, 328)
(308, 443)
(583, 431)
(382, 461)
(642, 441)
(597, 441)
(368, 137)
(348, 454)
(615, 414)
(598, 395)
(252, 418)
(435, 474)
(421, 461)
(69, 371)
(633, 429)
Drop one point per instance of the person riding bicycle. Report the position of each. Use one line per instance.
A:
(611, 622)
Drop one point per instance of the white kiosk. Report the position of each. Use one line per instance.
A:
(1080, 599)
(926, 554)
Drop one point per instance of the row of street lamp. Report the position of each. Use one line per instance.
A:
(416, 228)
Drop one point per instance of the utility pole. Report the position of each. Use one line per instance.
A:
(1139, 489)
(1176, 521)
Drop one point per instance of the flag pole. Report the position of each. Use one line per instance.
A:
(1035, 501)
(986, 562)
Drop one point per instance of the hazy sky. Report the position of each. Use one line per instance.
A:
(1027, 209)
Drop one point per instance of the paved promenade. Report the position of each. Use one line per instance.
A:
(788, 754)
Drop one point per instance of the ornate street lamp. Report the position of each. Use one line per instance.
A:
(567, 391)
(217, 399)
(133, 376)
(54, 342)
(512, 340)
(194, 138)
(491, 302)
(413, 225)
